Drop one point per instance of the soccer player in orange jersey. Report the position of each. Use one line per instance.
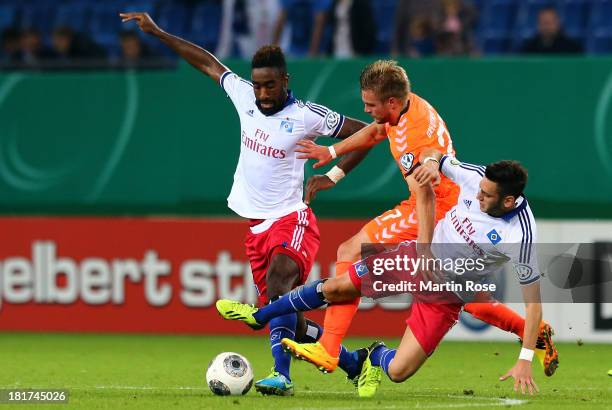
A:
(411, 125)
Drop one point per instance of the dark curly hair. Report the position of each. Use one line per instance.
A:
(269, 56)
(510, 177)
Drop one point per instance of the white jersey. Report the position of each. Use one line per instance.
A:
(268, 181)
(467, 232)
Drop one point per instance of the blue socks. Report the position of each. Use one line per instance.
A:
(349, 362)
(281, 327)
(303, 298)
(284, 326)
(382, 356)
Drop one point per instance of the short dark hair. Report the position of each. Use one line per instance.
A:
(510, 177)
(270, 56)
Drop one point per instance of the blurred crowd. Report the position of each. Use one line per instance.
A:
(62, 32)
(26, 47)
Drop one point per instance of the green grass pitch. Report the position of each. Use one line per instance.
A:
(167, 372)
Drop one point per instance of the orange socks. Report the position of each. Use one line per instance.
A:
(499, 315)
(338, 318)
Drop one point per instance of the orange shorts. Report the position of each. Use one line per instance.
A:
(400, 223)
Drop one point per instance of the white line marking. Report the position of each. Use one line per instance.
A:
(497, 402)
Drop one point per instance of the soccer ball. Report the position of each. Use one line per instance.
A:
(229, 374)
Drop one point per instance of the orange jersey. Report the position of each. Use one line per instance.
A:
(419, 128)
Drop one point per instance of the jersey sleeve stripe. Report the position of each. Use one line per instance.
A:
(316, 110)
(247, 82)
(530, 247)
(523, 239)
(530, 281)
(444, 158)
(525, 255)
(322, 108)
(223, 77)
(338, 127)
(473, 168)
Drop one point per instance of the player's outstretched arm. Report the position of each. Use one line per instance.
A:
(362, 139)
(199, 58)
(521, 372)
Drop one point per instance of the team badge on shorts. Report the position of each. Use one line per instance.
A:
(407, 160)
(361, 269)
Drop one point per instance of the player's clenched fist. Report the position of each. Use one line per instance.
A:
(428, 173)
(144, 21)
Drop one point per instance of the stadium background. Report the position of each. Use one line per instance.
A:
(113, 181)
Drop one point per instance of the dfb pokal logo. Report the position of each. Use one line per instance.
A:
(406, 160)
(523, 271)
(332, 119)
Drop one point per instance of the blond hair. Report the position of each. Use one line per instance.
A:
(386, 79)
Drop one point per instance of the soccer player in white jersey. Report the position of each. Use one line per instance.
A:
(283, 239)
(491, 221)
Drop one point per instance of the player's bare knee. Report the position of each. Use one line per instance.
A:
(344, 251)
(331, 289)
(400, 374)
(350, 250)
(339, 289)
(398, 377)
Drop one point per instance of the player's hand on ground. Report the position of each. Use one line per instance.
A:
(310, 150)
(315, 184)
(521, 373)
(144, 21)
(427, 173)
